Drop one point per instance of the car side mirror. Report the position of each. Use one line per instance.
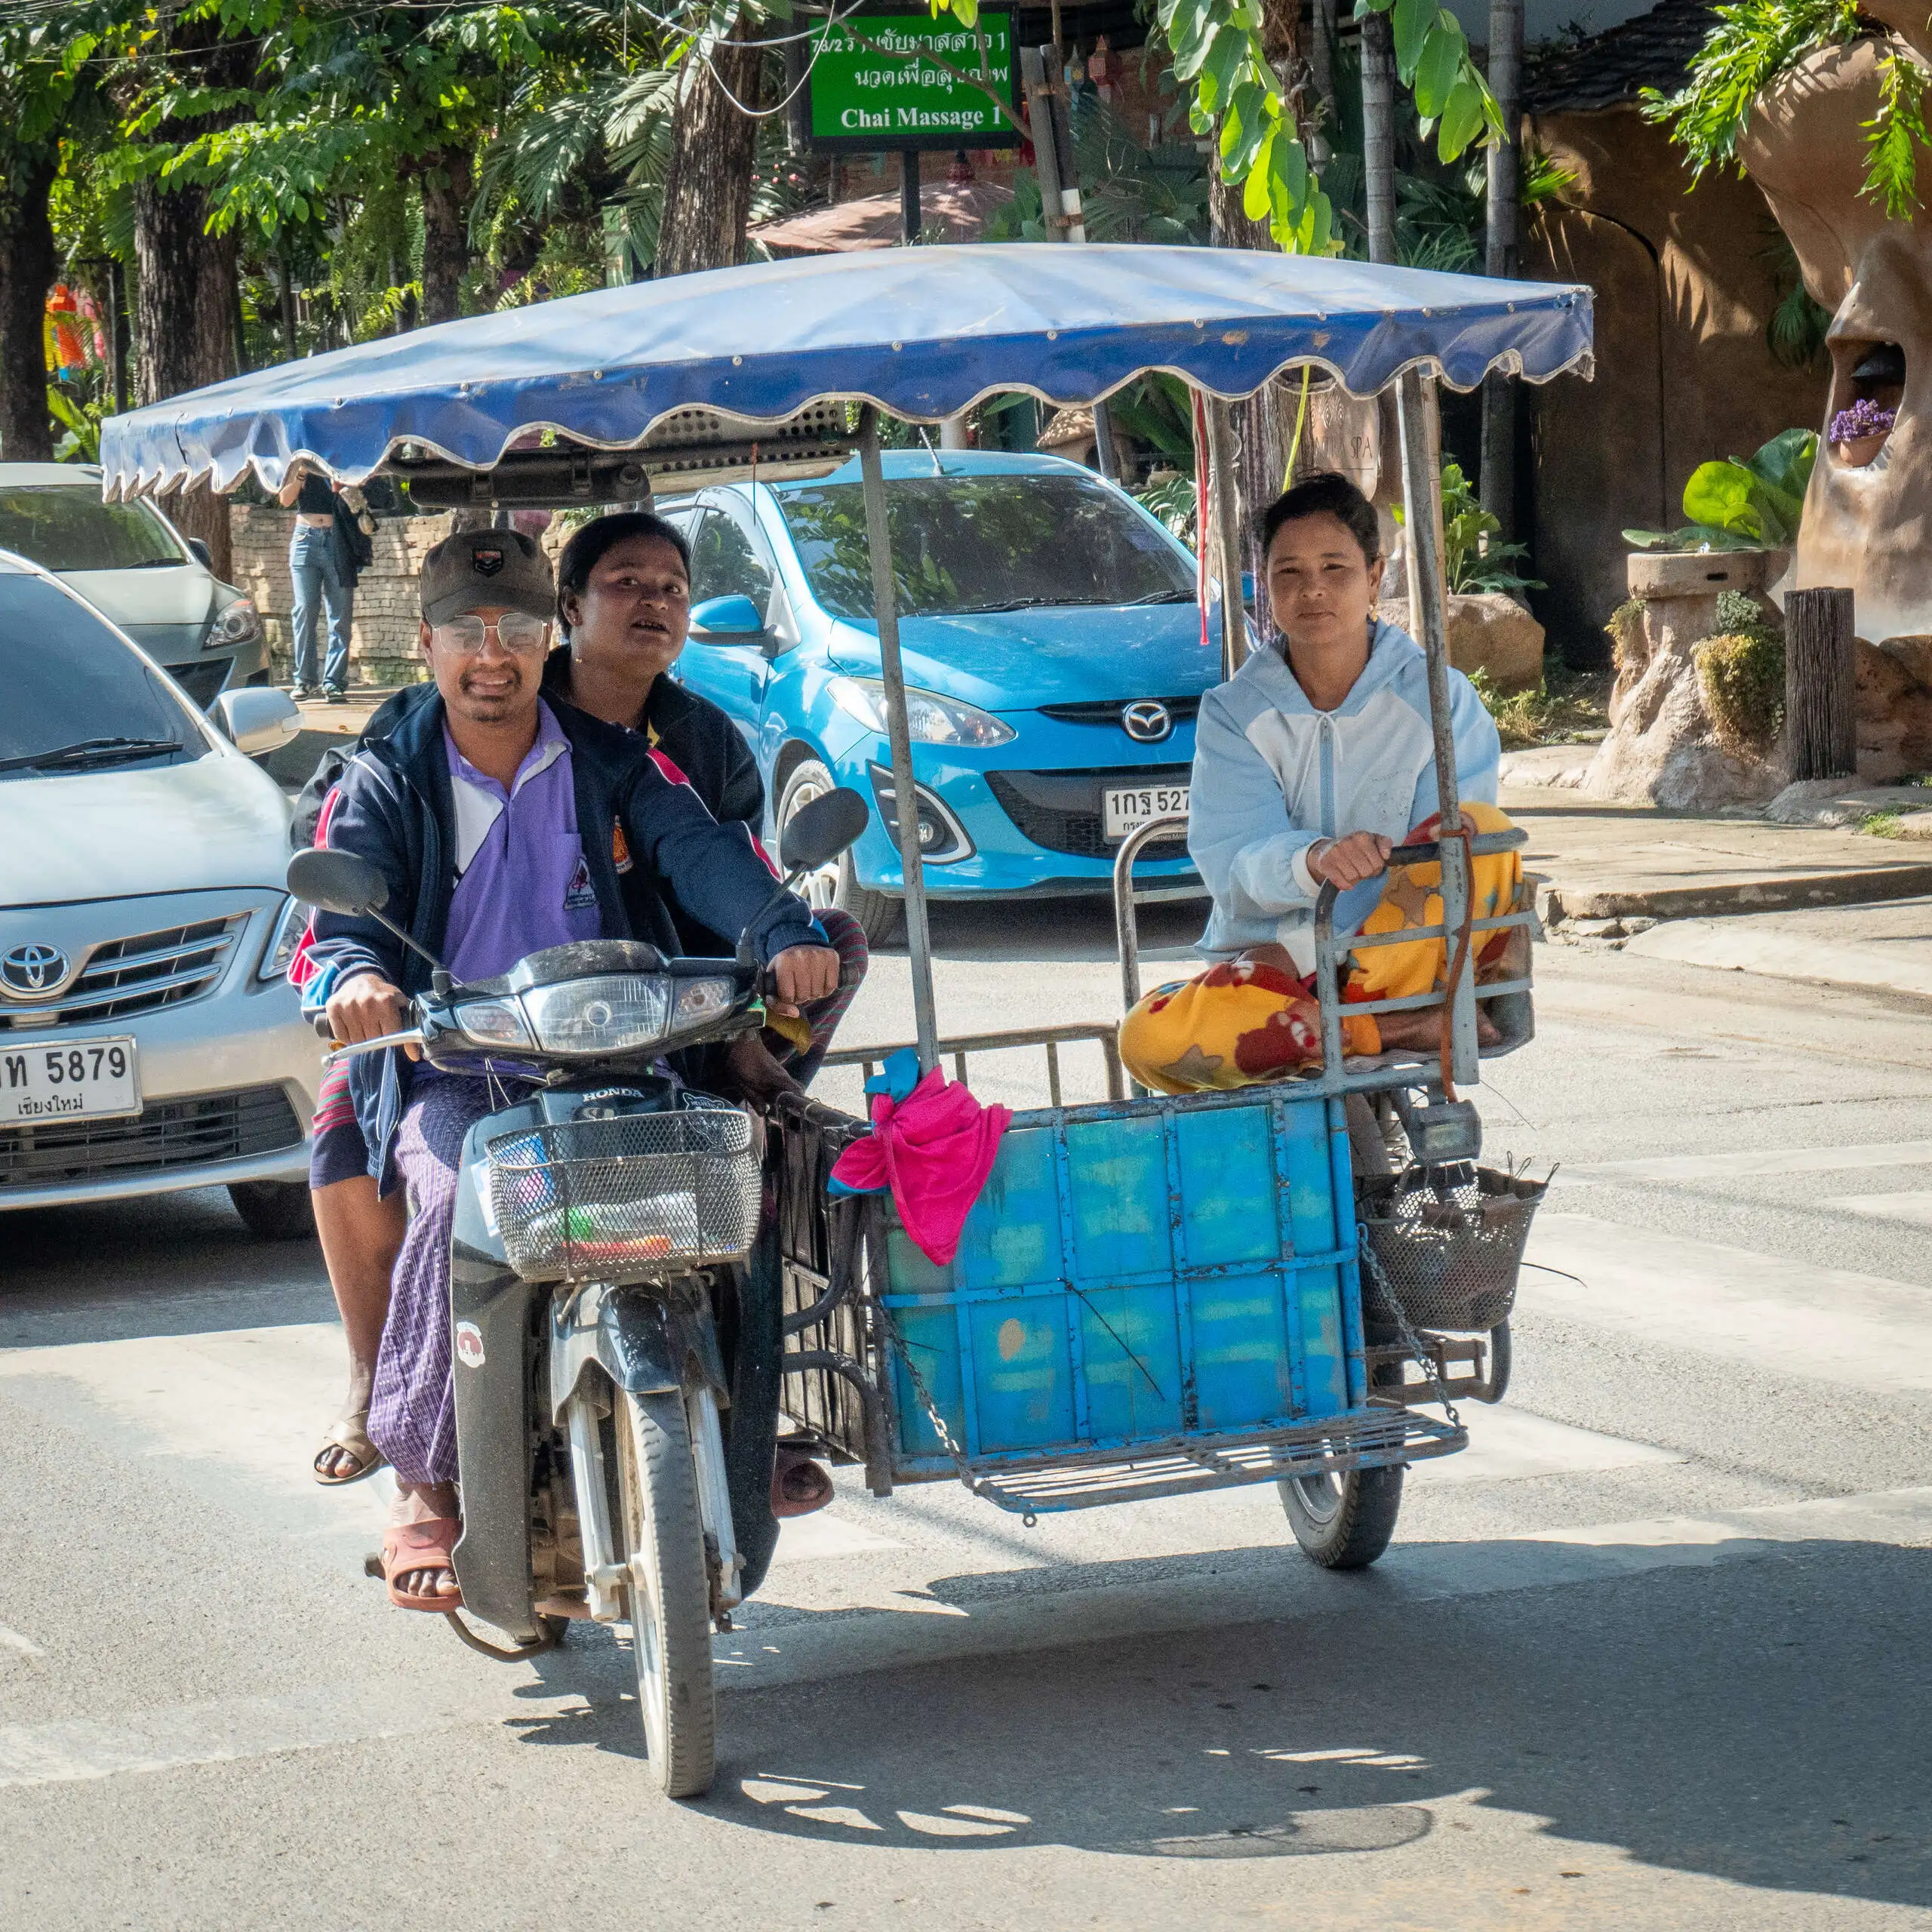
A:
(197, 548)
(339, 882)
(257, 719)
(820, 831)
(727, 620)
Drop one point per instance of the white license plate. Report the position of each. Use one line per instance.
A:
(88, 1080)
(1125, 808)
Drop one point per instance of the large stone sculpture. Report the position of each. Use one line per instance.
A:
(1805, 147)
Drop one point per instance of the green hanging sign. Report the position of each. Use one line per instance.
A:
(898, 81)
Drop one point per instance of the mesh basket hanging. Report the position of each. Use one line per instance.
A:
(1447, 1242)
(639, 1196)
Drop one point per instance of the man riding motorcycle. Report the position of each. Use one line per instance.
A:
(502, 823)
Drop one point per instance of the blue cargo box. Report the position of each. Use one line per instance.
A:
(1135, 1272)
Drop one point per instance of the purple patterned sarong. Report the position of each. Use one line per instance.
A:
(412, 1408)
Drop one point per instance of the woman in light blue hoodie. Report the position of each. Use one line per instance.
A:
(1314, 760)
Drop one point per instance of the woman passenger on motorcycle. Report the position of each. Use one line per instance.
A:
(624, 606)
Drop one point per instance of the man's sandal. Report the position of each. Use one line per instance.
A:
(350, 1434)
(798, 1485)
(408, 1547)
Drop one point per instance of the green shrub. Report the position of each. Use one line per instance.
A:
(1741, 673)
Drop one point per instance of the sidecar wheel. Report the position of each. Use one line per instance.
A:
(1344, 1522)
(662, 1537)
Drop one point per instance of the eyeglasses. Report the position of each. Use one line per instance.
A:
(516, 631)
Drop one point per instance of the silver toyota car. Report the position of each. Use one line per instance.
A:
(149, 1039)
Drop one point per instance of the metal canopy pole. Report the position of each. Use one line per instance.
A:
(1426, 580)
(905, 794)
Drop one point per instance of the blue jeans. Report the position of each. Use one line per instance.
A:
(312, 564)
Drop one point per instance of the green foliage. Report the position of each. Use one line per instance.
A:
(1741, 675)
(1567, 707)
(1173, 503)
(1756, 41)
(1881, 824)
(1896, 133)
(81, 422)
(1472, 561)
(1748, 505)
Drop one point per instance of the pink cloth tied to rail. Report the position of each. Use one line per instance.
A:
(934, 1149)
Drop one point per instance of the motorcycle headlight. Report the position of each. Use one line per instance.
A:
(288, 931)
(235, 624)
(496, 1022)
(611, 1013)
(931, 719)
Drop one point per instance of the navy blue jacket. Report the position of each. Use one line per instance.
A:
(395, 810)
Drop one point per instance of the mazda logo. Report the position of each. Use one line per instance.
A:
(1148, 721)
(33, 969)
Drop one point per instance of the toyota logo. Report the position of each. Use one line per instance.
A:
(1148, 721)
(33, 969)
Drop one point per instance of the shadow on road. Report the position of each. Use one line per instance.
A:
(1763, 1721)
(169, 1264)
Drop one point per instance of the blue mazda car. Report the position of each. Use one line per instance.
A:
(1053, 657)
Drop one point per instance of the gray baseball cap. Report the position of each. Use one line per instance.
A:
(473, 568)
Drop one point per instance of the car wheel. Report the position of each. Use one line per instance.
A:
(275, 1210)
(877, 913)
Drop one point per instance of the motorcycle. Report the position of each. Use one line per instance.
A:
(605, 1233)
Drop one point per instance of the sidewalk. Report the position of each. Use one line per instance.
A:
(1815, 901)
(323, 725)
(1603, 861)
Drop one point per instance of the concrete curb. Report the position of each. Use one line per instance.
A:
(1556, 902)
(1739, 947)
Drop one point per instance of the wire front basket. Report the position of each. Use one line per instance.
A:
(628, 1197)
(1447, 1242)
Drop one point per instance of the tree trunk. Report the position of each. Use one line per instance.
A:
(1378, 131)
(446, 186)
(708, 187)
(1820, 722)
(1262, 424)
(1503, 228)
(184, 324)
(27, 265)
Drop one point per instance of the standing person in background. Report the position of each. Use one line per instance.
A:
(322, 573)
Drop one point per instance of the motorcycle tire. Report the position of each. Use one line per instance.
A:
(661, 1534)
(1344, 1522)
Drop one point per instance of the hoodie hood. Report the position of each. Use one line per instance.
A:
(1392, 651)
(1019, 661)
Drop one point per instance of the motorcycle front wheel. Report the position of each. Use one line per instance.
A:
(661, 1534)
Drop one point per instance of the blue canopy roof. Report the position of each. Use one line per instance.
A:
(922, 332)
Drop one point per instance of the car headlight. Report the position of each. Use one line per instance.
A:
(288, 931)
(610, 1012)
(931, 719)
(496, 1022)
(235, 624)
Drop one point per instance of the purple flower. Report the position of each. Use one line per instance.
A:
(1864, 418)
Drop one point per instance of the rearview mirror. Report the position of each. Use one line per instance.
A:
(339, 882)
(727, 620)
(822, 830)
(258, 718)
(197, 548)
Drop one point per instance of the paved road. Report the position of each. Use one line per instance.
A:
(1651, 1653)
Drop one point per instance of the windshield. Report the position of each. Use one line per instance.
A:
(72, 683)
(73, 529)
(962, 544)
